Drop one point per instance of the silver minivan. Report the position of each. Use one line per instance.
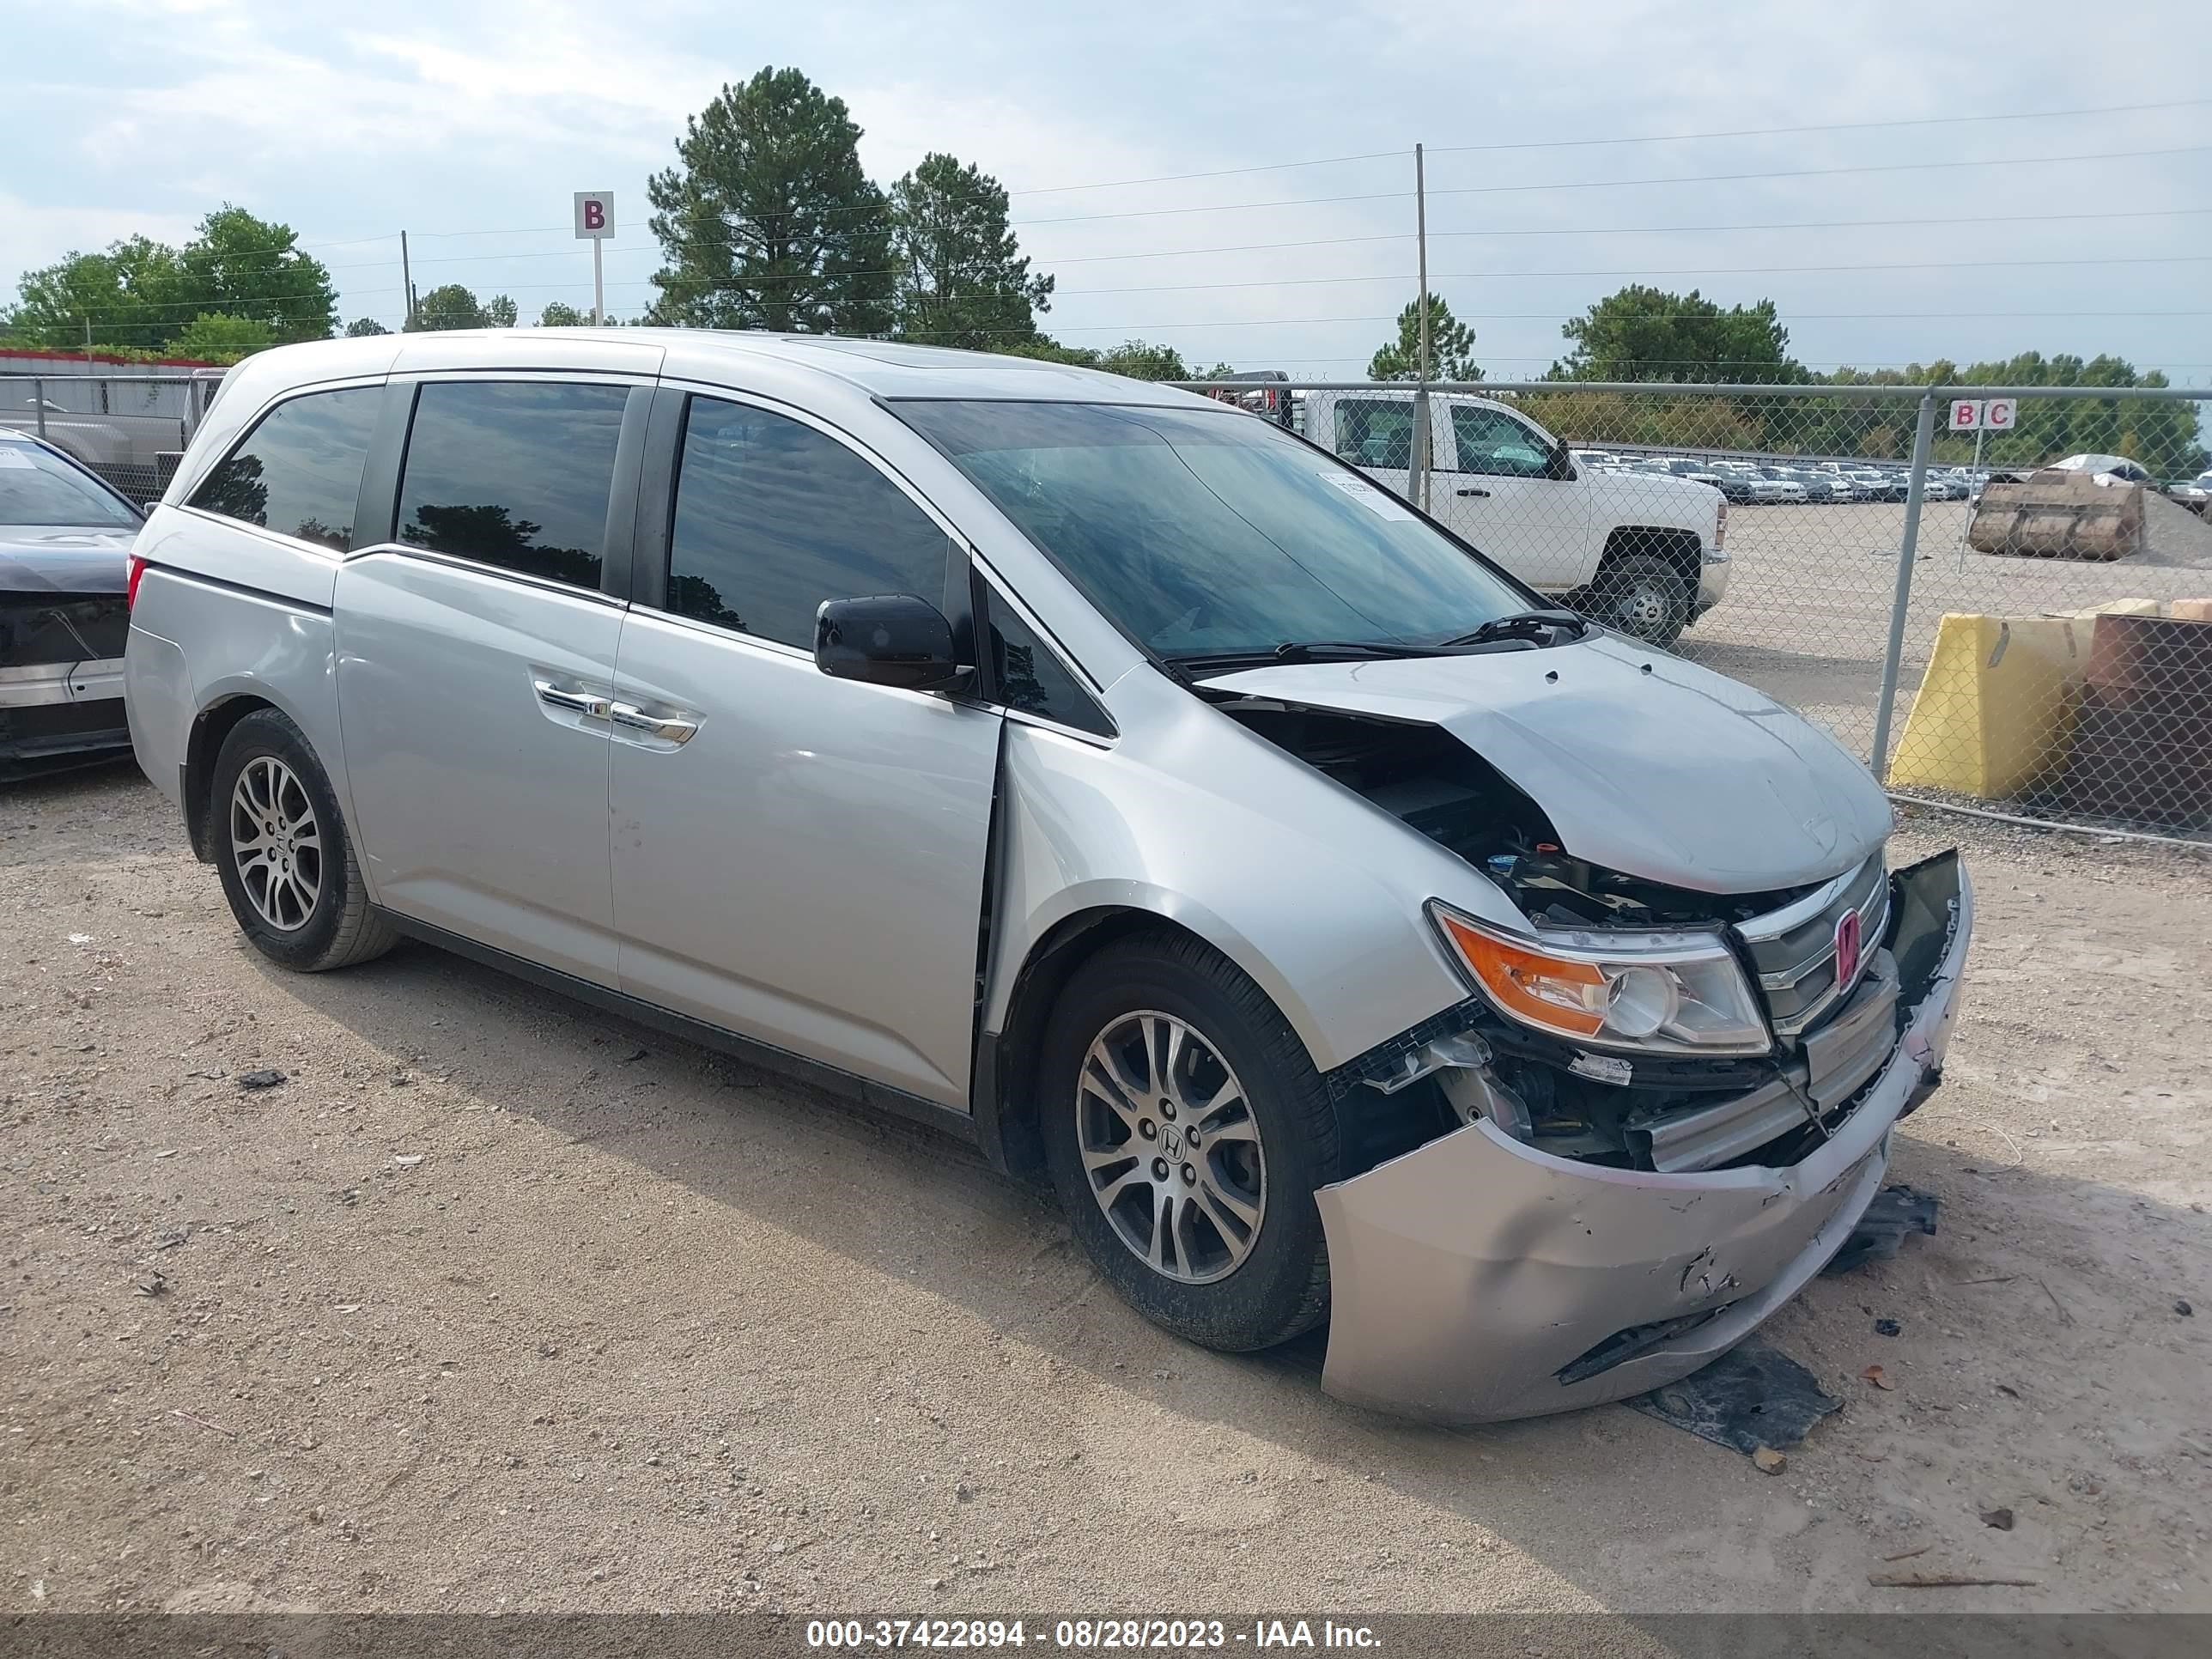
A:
(1099, 772)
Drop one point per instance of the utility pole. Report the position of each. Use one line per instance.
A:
(406, 279)
(1421, 412)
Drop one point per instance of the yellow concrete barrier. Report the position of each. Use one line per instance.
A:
(1996, 707)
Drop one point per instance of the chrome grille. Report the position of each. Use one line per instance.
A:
(1794, 948)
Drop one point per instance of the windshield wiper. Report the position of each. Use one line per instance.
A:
(1524, 623)
(1303, 651)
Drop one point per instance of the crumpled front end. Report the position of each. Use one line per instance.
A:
(1477, 1277)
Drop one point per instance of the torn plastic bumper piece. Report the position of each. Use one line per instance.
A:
(1475, 1278)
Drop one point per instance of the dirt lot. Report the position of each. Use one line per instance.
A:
(493, 1302)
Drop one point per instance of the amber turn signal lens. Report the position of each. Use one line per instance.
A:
(1565, 996)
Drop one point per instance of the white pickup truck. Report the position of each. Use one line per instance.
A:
(1642, 552)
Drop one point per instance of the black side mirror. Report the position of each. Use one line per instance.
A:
(1561, 465)
(888, 639)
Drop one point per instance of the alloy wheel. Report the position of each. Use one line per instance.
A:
(1169, 1146)
(276, 843)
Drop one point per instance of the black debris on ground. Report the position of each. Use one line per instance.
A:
(1896, 1212)
(1888, 1328)
(259, 1079)
(1751, 1396)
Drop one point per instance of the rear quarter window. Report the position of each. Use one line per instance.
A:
(298, 472)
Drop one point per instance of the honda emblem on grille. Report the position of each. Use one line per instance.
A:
(1847, 948)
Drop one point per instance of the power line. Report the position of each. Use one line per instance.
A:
(661, 250)
(1612, 184)
(1649, 138)
(1827, 127)
(1633, 273)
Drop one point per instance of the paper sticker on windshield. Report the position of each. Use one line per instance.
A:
(11, 457)
(1380, 502)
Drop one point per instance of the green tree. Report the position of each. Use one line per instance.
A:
(1134, 358)
(144, 294)
(1451, 346)
(361, 328)
(448, 306)
(131, 296)
(558, 313)
(213, 334)
(962, 279)
(1648, 334)
(768, 221)
(238, 266)
(499, 312)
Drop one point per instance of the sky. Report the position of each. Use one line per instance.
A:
(1570, 149)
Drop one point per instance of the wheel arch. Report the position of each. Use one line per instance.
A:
(1005, 1094)
(1683, 548)
(218, 717)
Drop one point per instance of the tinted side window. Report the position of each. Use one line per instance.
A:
(1492, 442)
(1030, 675)
(772, 518)
(299, 470)
(514, 474)
(1371, 432)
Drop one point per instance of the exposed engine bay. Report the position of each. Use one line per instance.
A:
(1665, 1113)
(1423, 774)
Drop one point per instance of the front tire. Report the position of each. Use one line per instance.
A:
(286, 864)
(1644, 596)
(1186, 1132)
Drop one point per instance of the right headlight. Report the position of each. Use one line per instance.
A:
(1676, 993)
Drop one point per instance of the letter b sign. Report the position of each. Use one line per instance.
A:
(595, 215)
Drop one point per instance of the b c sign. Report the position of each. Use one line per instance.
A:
(1991, 415)
(595, 215)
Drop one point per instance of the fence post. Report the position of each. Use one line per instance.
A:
(39, 403)
(1923, 434)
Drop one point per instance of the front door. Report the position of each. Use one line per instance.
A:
(796, 859)
(476, 663)
(1493, 486)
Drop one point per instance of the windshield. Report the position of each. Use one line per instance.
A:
(1203, 534)
(37, 487)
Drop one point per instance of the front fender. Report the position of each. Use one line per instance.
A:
(1316, 894)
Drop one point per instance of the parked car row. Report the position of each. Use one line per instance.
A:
(1752, 483)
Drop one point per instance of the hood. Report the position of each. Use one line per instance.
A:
(60, 559)
(1644, 763)
(1645, 489)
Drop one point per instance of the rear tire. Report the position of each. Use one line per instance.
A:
(1245, 1265)
(287, 863)
(1644, 596)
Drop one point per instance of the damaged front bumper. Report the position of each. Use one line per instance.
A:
(1476, 1279)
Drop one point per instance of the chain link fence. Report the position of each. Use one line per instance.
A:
(129, 428)
(2001, 598)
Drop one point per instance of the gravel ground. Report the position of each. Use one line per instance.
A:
(493, 1302)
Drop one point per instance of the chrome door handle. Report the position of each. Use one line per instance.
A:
(1472, 491)
(577, 702)
(667, 728)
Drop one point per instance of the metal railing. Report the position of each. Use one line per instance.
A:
(1992, 633)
